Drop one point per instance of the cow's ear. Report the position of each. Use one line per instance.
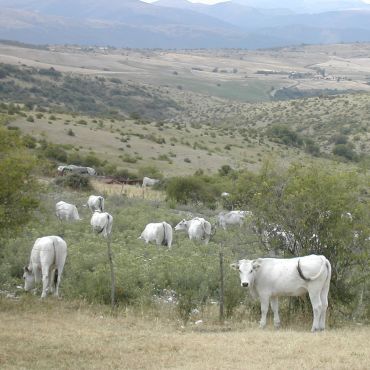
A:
(25, 269)
(256, 264)
(235, 265)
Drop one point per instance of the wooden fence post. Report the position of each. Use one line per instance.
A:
(222, 316)
(112, 276)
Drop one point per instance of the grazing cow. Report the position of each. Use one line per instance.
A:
(232, 218)
(269, 278)
(225, 194)
(160, 233)
(66, 211)
(47, 259)
(102, 222)
(147, 181)
(95, 203)
(198, 229)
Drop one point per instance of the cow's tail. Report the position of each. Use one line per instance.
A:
(328, 268)
(108, 225)
(56, 264)
(325, 263)
(165, 241)
(101, 204)
(56, 277)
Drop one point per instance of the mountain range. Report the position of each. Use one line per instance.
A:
(181, 24)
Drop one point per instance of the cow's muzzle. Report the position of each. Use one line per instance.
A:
(245, 285)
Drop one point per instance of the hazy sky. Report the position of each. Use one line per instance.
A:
(220, 1)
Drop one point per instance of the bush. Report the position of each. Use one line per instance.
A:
(339, 139)
(193, 189)
(74, 181)
(55, 152)
(285, 135)
(225, 170)
(345, 151)
(311, 147)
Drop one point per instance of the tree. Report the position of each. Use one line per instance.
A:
(311, 202)
(18, 187)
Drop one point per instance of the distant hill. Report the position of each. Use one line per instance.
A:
(181, 24)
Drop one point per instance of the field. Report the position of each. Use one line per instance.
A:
(71, 335)
(226, 116)
(232, 74)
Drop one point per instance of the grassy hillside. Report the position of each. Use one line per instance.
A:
(185, 110)
(323, 128)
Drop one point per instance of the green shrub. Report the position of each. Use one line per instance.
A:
(285, 135)
(345, 151)
(74, 181)
(56, 152)
(192, 189)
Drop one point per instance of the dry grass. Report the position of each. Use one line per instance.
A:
(129, 191)
(60, 335)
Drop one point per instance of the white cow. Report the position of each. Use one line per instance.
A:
(91, 171)
(66, 211)
(198, 229)
(232, 218)
(95, 203)
(102, 222)
(147, 181)
(47, 259)
(225, 194)
(160, 233)
(269, 278)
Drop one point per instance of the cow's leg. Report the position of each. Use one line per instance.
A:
(51, 281)
(316, 308)
(59, 272)
(159, 240)
(264, 310)
(324, 302)
(45, 281)
(274, 303)
(37, 275)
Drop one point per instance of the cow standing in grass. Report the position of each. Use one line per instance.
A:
(95, 203)
(197, 229)
(66, 212)
(270, 278)
(160, 233)
(232, 218)
(102, 222)
(47, 261)
(147, 181)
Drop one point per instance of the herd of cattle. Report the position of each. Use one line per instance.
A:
(266, 278)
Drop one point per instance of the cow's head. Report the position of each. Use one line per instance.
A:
(29, 279)
(247, 270)
(182, 225)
